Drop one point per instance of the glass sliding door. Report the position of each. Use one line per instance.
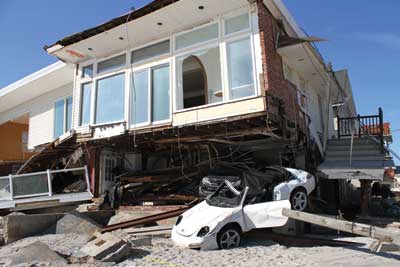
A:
(110, 99)
(140, 98)
(240, 69)
(160, 93)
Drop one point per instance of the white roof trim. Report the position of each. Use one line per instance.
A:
(32, 77)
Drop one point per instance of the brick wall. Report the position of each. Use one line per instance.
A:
(275, 83)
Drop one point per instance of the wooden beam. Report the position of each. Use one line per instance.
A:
(383, 235)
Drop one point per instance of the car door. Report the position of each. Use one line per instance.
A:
(266, 214)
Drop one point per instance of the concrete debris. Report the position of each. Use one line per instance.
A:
(107, 247)
(76, 223)
(36, 254)
(17, 226)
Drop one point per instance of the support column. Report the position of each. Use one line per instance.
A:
(365, 196)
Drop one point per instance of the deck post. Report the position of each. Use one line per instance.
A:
(11, 187)
(87, 179)
(49, 182)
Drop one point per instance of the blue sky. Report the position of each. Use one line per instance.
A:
(364, 37)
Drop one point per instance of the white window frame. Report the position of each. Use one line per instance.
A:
(170, 58)
(149, 67)
(65, 126)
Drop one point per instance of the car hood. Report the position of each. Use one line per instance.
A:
(202, 215)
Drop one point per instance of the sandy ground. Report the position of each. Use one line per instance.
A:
(254, 252)
(262, 253)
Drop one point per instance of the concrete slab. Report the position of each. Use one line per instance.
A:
(17, 226)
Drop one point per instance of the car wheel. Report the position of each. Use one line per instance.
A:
(299, 199)
(229, 237)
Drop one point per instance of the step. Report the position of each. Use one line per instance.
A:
(355, 158)
(355, 152)
(355, 147)
(362, 141)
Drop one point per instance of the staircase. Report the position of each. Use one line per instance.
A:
(361, 158)
(359, 150)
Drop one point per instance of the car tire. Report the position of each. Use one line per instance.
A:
(229, 237)
(299, 199)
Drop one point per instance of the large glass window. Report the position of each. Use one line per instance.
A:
(240, 69)
(140, 98)
(86, 95)
(111, 64)
(160, 94)
(59, 118)
(197, 36)
(110, 99)
(62, 116)
(151, 51)
(237, 24)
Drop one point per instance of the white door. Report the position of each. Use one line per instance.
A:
(266, 214)
(109, 161)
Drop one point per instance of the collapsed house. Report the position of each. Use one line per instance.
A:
(151, 100)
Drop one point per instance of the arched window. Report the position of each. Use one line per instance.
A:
(194, 79)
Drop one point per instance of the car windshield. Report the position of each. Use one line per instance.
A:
(230, 199)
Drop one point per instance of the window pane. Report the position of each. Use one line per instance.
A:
(110, 100)
(237, 24)
(112, 63)
(69, 113)
(197, 36)
(86, 103)
(59, 118)
(151, 51)
(87, 72)
(161, 98)
(140, 98)
(240, 69)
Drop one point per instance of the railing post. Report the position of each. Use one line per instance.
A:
(11, 187)
(87, 179)
(49, 182)
(338, 127)
(359, 125)
(381, 129)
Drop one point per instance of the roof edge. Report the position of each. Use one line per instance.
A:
(32, 77)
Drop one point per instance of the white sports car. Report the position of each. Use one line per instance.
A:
(219, 221)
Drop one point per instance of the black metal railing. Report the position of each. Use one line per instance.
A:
(362, 126)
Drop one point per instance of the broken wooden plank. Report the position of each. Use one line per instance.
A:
(144, 220)
(383, 235)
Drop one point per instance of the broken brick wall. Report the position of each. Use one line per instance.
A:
(274, 81)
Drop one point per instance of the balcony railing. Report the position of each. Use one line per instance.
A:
(363, 126)
(36, 184)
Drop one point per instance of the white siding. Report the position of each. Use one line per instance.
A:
(41, 115)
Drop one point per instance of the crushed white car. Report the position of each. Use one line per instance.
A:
(220, 220)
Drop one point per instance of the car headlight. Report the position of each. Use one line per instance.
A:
(178, 220)
(203, 231)
(277, 195)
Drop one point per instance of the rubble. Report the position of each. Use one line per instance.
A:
(36, 254)
(107, 247)
(76, 223)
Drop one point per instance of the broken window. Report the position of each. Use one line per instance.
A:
(86, 95)
(240, 69)
(62, 116)
(199, 79)
(110, 99)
